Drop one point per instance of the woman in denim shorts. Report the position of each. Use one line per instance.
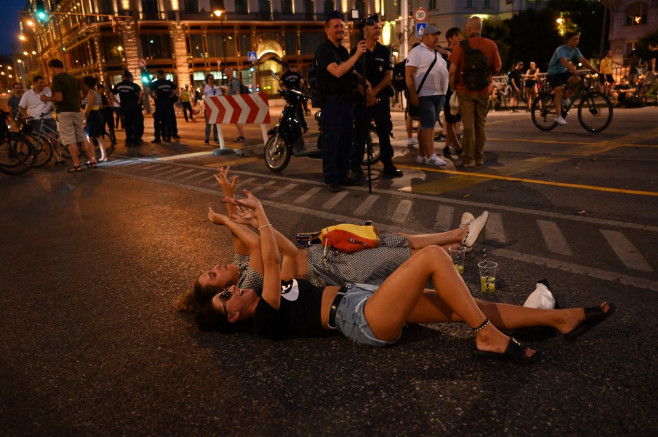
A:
(376, 315)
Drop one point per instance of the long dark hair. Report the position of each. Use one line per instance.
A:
(210, 318)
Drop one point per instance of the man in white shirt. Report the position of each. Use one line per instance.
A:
(32, 107)
(209, 90)
(433, 87)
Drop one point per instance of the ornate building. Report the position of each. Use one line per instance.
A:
(629, 21)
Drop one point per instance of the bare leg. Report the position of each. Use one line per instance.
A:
(396, 300)
(418, 241)
(75, 154)
(102, 147)
(90, 151)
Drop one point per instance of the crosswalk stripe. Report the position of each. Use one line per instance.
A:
(165, 171)
(305, 197)
(626, 251)
(444, 218)
(335, 200)
(282, 190)
(261, 187)
(553, 238)
(366, 205)
(402, 211)
(495, 229)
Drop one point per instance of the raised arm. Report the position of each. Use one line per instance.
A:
(268, 248)
(243, 237)
(243, 242)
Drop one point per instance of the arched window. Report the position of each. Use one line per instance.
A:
(636, 13)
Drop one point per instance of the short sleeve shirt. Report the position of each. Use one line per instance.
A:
(163, 89)
(209, 91)
(378, 62)
(67, 85)
(128, 93)
(436, 83)
(555, 66)
(31, 101)
(330, 85)
(490, 50)
(291, 80)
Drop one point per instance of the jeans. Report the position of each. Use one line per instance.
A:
(215, 131)
(473, 110)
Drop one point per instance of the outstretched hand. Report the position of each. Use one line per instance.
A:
(250, 201)
(228, 187)
(217, 218)
(244, 217)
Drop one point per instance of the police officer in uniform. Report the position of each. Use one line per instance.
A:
(379, 73)
(292, 80)
(162, 91)
(336, 78)
(130, 95)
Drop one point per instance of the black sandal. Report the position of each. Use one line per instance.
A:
(515, 353)
(593, 316)
(91, 164)
(75, 169)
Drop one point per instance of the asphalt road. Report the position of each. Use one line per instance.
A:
(92, 262)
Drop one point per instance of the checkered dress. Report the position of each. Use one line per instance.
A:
(370, 266)
(249, 278)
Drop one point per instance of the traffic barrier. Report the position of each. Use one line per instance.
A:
(240, 108)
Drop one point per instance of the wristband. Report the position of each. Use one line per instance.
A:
(264, 226)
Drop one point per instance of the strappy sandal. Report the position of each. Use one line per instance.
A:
(75, 169)
(91, 164)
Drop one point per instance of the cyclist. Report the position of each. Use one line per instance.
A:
(561, 71)
(32, 107)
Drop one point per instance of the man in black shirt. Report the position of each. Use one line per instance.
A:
(336, 80)
(379, 73)
(292, 80)
(130, 99)
(162, 91)
(515, 83)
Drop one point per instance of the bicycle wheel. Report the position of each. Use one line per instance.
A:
(372, 142)
(594, 112)
(43, 149)
(17, 154)
(543, 112)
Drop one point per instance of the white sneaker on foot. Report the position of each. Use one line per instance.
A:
(412, 141)
(474, 229)
(561, 121)
(420, 159)
(466, 217)
(435, 160)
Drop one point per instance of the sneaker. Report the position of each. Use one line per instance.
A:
(411, 142)
(440, 137)
(466, 218)
(474, 229)
(560, 120)
(420, 159)
(435, 160)
(240, 139)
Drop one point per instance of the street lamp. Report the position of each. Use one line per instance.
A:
(221, 14)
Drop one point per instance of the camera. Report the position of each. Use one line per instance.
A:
(360, 23)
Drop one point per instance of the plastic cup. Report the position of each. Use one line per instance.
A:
(457, 253)
(488, 276)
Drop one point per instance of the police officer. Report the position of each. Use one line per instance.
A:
(292, 80)
(336, 79)
(162, 91)
(130, 96)
(379, 73)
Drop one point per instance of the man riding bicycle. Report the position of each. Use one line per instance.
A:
(562, 72)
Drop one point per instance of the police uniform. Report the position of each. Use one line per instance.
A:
(337, 114)
(131, 110)
(164, 109)
(378, 63)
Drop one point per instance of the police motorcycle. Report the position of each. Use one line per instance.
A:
(286, 138)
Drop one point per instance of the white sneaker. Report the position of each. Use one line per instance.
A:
(466, 217)
(412, 141)
(474, 229)
(435, 160)
(420, 159)
(560, 120)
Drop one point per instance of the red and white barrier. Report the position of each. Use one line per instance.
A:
(240, 109)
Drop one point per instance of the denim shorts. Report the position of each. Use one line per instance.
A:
(350, 319)
(430, 108)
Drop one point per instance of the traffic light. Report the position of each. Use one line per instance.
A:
(146, 78)
(41, 13)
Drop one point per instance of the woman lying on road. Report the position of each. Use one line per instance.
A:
(370, 266)
(374, 315)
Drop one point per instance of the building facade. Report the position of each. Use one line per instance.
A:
(630, 20)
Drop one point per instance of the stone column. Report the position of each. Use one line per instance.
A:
(180, 55)
(131, 47)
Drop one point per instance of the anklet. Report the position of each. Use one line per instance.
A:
(482, 326)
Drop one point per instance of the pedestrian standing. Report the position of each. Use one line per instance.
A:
(473, 103)
(66, 98)
(185, 101)
(209, 90)
(234, 89)
(376, 105)
(93, 116)
(162, 91)
(130, 96)
(15, 99)
(337, 78)
(106, 108)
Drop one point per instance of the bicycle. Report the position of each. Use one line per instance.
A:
(17, 155)
(594, 109)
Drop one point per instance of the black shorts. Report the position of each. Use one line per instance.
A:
(603, 78)
(555, 80)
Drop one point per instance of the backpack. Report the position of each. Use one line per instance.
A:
(476, 67)
(399, 81)
(244, 89)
